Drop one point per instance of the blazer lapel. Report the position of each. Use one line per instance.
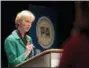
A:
(14, 33)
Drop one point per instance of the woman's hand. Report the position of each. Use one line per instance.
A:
(29, 48)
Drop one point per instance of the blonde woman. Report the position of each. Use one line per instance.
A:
(18, 45)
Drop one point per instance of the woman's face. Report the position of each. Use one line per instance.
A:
(25, 24)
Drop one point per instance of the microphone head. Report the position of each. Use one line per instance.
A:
(32, 45)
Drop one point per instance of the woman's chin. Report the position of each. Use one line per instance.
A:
(26, 30)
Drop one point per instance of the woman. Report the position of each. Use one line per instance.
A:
(18, 45)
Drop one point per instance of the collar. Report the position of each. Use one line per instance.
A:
(14, 33)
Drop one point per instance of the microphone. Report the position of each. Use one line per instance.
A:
(32, 45)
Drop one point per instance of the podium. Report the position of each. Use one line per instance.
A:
(47, 58)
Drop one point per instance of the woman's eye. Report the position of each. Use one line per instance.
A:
(27, 21)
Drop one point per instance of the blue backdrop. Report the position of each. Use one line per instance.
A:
(50, 13)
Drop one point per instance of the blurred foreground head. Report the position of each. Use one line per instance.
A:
(82, 24)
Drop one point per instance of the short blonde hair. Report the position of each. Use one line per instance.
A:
(22, 14)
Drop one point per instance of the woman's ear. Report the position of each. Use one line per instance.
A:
(17, 24)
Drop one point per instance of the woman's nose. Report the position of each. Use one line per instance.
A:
(29, 24)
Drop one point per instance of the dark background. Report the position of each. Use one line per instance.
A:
(66, 17)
